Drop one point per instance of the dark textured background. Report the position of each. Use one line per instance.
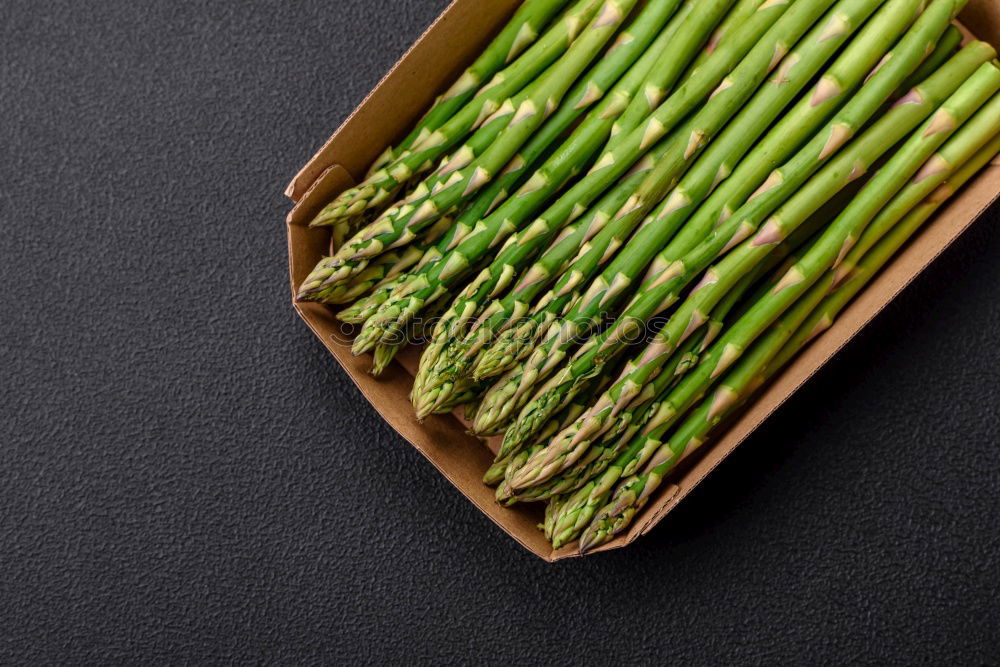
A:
(186, 475)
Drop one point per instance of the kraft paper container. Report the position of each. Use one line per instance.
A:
(429, 67)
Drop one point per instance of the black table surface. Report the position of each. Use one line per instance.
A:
(187, 476)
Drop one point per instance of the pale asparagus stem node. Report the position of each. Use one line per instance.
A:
(914, 160)
(783, 183)
(512, 391)
(733, 21)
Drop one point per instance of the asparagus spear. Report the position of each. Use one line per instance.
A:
(613, 163)
(483, 156)
(385, 182)
(780, 186)
(829, 94)
(503, 465)
(807, 116)
(515, 211)
(601, 454)
(579, 509)
(520, 32)
(627, 423)
(699, 131)
(552, 510)
(465, 173)
(884, 236)
(661, 72)
(847, 167)
(387, 266)
(808, 296)
(417, 332)
(445, 365)
(643, 105)
(414, 295)
(610, 442)
(570, 206)
(945, 48)
(576, 151)
(857, 158)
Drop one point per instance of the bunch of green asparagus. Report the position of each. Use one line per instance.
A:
(627, 215)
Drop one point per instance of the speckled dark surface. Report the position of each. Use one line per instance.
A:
(187, 476)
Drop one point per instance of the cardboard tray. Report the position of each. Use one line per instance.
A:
(429, 67)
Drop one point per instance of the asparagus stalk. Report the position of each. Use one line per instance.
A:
(385, 182)
(780, 186)
(408, 300)
(615, 162)
(417, 332)
(552, 510)
(575, 152)
(682, 37)
(579, 509)
(502, 466)
(771, 351)
(468, 170)
(844, 169)
(387, 266)
(653, 95)
(566, 416)
(733, 21)
(585, 94)
(627, 423)
(508, 218)
(520, 32)
(611, 442)
(444, 366)
(850, 68)
(946, 47)
(857, 158)
(885, 236)
(699, 131)
(587, 486)
(808, 115)
(660, 74)
(600, 455)
(727, 100)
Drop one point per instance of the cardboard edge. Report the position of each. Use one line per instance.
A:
(855, 319)
(456, 19)
(397, 381)
(307, 175)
